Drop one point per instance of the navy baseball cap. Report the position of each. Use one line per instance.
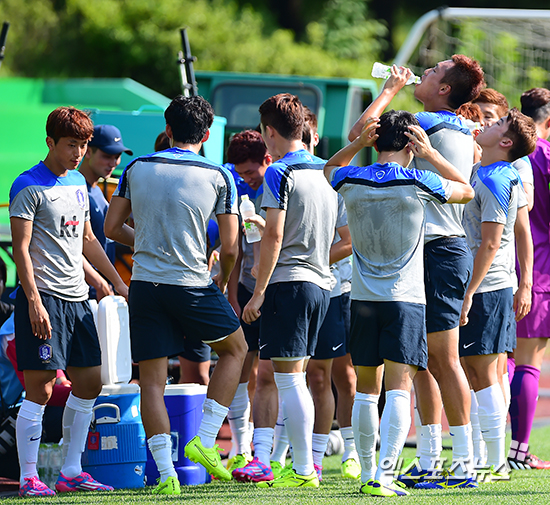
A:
(109, 139)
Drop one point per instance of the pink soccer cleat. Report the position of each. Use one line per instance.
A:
(82, 482)
(35, 487)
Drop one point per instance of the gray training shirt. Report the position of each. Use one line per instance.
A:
(173, 194)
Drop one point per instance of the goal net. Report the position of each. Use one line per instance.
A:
(512, 45)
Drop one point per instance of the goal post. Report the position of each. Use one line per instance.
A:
(512, 45)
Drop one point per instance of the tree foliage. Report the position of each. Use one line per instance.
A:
(140, 39)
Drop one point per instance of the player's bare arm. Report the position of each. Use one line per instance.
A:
(21, 231)
(396, 82)
(229, 251)
(270, 248)
(115, 226)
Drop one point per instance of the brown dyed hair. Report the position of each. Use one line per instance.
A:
(285, 113)
(247, 145)
(470, 111)
(465, 78)
(523, 133)
(535, 103)
(490, 95)
(69, 122)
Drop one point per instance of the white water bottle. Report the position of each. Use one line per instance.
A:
(381, 71)
(247, 210)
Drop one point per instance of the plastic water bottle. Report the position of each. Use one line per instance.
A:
(247, 210)
(381, 71)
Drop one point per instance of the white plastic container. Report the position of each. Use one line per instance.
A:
(247, 209)
(381, 71)
(113, 328)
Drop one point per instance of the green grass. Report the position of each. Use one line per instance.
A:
(526, 487)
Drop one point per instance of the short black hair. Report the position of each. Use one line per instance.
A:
(391, 132)
(189, 117)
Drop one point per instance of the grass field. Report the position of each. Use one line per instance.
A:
(526, 487)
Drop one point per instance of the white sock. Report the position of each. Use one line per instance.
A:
(350, 452)
(77, 417)
(480, 456)
(394, 426)
(364, 420)
(280, 438)
(507, 392)
(212, 420)
(238, 416)
(319, 447)
(263, 440)
(492, 420)
(417, 428)
(299, 413)
(463, 450)
(161, 449)
(28, 431)
(431, 446)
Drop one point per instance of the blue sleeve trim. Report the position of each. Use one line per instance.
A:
(500, 178)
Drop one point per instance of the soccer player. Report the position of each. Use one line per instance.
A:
(487, 319)
(333, 342)
(54, 326)
(533, 331)
(102, 157)
(386, 211)
(248, 153)
(293, 280)
(447, 262)
(172, 194)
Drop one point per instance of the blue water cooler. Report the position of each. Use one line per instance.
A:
(184, 406)
(115, 450)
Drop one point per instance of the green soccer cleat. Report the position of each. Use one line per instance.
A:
(375, 488)
(278, 469)
(170, 486)
(290, 478)
(209, 458)
(350, 469)
(238, 461)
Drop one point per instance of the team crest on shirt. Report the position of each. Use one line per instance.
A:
(80, 198)
(45, 353)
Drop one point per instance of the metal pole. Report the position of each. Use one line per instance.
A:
(3, 36)
(186, 60)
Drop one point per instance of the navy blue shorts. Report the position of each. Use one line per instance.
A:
(292, 314)
(161, 314)
(491, 328)
(195, 351)
(331, 342)
(251, 331)
(448, 265)
(74, 339)
(346, 306)
(395, 331)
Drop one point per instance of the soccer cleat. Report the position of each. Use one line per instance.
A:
(278, 469)
(35, 487)
(375, 488)
(255, 471)
(319, 471)
(238, 461)
(170, 486)
(413, 475)
(446, 481)
(531, 462)
(209, 458)
(495, 476)
(291, 479)
(350, 469)
(82, 482)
